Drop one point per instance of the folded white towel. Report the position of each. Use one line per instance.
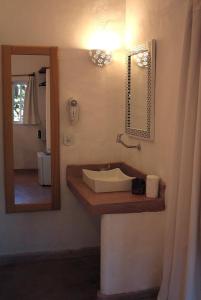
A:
(152, 184)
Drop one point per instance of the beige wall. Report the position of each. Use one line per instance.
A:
(100, 92)
(163, 21)
(132, 246)
(26, 146)
(68, 25)
(131, 252)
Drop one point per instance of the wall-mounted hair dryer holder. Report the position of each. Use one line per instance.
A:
(73, 109)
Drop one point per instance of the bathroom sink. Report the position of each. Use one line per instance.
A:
(107, 181)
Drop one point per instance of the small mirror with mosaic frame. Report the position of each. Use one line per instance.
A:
(140, 91)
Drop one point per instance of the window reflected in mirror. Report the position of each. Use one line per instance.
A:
(31, 128)
(18, 96)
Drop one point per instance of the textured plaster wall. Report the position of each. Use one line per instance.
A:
(132, 245)
(163, 21)
(100, 92)
(131, 252)
(70, 26)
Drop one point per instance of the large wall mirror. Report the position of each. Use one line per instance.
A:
(140, 91)
(31, 128)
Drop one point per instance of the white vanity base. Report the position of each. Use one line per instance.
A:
(131, 252)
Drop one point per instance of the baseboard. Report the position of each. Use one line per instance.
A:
(140, 295)
(48, 255)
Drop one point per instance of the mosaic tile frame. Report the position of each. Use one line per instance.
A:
(147, 134)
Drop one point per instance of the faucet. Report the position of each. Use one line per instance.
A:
(119, 140)
(106, 168)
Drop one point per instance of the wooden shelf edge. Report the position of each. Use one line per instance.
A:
(110, 203)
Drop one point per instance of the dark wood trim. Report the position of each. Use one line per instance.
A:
(30, 50)
(54, 113)
(7, 51)
(22, 171)
(7, 128)
(140, 295)
(116, 202)
(31, 207)
(48, 255)
(20, 75)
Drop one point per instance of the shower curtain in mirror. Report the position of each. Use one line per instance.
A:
(182, 262)
(31, 116)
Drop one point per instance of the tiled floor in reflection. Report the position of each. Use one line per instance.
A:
(28, 190)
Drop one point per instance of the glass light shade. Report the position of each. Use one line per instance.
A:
(100, 57)
(142, 59)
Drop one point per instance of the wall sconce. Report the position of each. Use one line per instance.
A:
(142, 58)
(100, 57)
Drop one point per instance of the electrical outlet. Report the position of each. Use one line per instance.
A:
(67, 140)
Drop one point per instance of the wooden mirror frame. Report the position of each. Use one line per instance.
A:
(7, 51)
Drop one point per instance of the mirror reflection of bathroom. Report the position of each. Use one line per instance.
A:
(139, 76)
(31, 128)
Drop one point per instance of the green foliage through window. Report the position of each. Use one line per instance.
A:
(19, 90)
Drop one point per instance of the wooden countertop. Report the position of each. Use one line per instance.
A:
(115, 202)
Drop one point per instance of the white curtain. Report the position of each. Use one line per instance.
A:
(31, 116)
(182, 262)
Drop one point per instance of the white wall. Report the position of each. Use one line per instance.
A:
(131, 252)
(133, 245)
(25, 137)
(68, 25)
(163, 21)
(26, 145)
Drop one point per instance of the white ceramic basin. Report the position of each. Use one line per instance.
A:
(107, 181)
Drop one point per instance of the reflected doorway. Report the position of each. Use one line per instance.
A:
(31, 128)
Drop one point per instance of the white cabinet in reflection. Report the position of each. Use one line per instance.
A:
(44, 168)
